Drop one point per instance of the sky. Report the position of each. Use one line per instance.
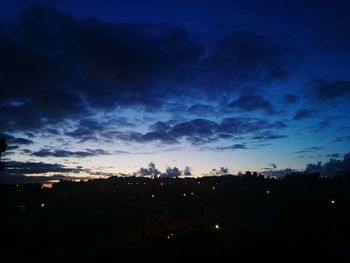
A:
(98, 88)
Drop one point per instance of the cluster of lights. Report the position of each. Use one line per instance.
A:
(170, 236)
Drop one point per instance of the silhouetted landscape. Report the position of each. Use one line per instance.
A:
(174, 131)
(237, 218)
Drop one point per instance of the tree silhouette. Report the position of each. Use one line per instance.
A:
(3, 147)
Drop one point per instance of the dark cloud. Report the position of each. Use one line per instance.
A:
(291, 98)
(53, 64)
(187, 171)
(171, 172)
(278, 173)
(310, 149)
(15, 141)
(24, 168)
(201, 109)
(303, 114)
(219, 172)
(331, 167)
(342, 139)
(230, 147)
(247, 57)
(64, 153)
(150, 171)
(252, 103)
(333, 155)
(199, 131)
(268, 135)
(324, 90)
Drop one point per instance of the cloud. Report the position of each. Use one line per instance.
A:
(201, 109)
(171, 172)
(333, 155)
(55, 65)
(150, 171)
(247, 57)
(197, 132)
(15, 141)
(63, 153)
(290, 98)
(24, 168)
(219, 172)
(324, 90)
(252, 103)
(331, 167)
(278, 173)
(342, 139)
(268, 135)
(303, 114)
(230, 147)
(310, 149)
(187, 171)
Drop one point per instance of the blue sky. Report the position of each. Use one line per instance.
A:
(106, 87)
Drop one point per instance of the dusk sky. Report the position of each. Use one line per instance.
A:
(98, 88)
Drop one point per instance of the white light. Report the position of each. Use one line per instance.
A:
(333, 202)
(184, 195)
(43, 204)
(268, 192)
(192, 193)
(217, 227)
(213, 187)
(153, 196)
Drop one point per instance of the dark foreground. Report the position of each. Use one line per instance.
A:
(220, 219)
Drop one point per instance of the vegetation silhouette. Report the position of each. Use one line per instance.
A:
(3, 147)
(218, 218)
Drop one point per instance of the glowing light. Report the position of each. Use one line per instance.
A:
(46, 185)
(168, 237)
(184, 195)
(153, 196)
(199, 183)
(217, 227)
(333, 202)
(43, 205)
(213, 188)
(268, 192)
(192, 193)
